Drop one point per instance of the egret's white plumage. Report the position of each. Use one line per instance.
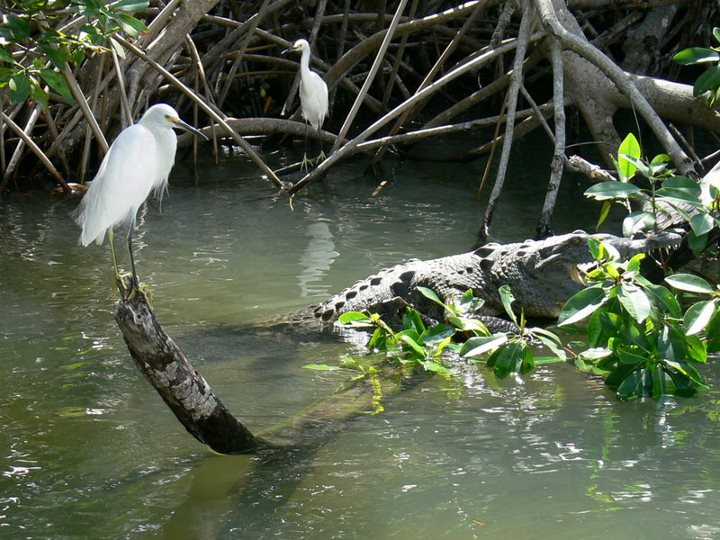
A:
(313, 94)
(138, 162)
(313, 90)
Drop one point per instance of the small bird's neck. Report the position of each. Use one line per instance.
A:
(305, 60)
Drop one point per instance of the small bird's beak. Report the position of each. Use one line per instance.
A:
(187, 127)
(291, 49)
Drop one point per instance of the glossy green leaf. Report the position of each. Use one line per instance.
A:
(507, 359)
(635, 301)
(477, 346)
(612, 190)
(581, 305)
(698, 316)
(353, 318)
(131, 5)
(19, 88)
(436, 334)
(702, 224)
(430, 294)
(630, 147)
(689, 283)
(696, 55)
(709, 80)
(664, 299)
(507, 298)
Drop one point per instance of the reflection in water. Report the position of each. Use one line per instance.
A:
(316, 259)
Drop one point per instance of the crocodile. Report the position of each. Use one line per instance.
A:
(542, 274)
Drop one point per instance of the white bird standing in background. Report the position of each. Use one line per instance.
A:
(139, 161)
(313, 95)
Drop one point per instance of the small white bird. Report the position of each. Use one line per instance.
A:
(313, 94)
(139, 161)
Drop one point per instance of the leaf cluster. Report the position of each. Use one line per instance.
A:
(38, 38)
(639, 337)
(709, 80)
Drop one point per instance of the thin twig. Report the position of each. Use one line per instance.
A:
(371, 76)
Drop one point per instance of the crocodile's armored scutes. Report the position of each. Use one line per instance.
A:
(542, 275)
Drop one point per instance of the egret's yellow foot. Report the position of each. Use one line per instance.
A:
(305, 164)
(320, 157)
(143, 290)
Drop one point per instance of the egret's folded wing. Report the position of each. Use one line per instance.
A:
(121, 185)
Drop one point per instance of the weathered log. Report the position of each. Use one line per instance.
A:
(181, 387)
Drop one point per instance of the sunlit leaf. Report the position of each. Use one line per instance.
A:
(581, 305)
(612, 190)
(629, 147)
(702, 224)
(698, 316)
(507, 298)
(321, 367)
(635, 301)
(689, 283)
(476, 346)
(696, 55)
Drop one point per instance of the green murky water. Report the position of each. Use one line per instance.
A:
(87, 450)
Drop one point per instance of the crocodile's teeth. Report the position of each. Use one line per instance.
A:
(579, 271)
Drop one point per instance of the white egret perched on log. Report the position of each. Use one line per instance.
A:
(313, 95)
(138, 162)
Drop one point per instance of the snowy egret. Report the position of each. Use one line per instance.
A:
(313, 95)
(138, 162)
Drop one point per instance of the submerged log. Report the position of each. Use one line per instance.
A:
(181, 387)
(205, 417)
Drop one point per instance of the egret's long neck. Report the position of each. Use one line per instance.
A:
(305, 61)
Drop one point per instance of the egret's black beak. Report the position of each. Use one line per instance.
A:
(291, 49)
(187, 127)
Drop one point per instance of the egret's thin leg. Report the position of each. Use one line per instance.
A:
(305, 160)
(111, 239)
(321, 156)
(136, 282)
(118, 277)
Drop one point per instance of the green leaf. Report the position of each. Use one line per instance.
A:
(431, 295)
(663, 298)
(411, 342)
(507, 298)
(635, 301)
(702, 224)
(436, 334)
(476, 346)
(689, 283)
(132, 6)
(594, 354)
(633, 385)
(130, 25)
(411, 320)
(553, 346)
(683, 195)
(355, 318)
(321, 367)
(581, 305)
(6, 56)
(604, 213)
(612, 190)
(57, 82)
(709, 80)
(636, 222)
(507, 359)
(19, 88)
(696, 55)
(629, 147)
(630, 358)
(698, 316)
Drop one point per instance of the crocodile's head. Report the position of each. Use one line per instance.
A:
(543, 275)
